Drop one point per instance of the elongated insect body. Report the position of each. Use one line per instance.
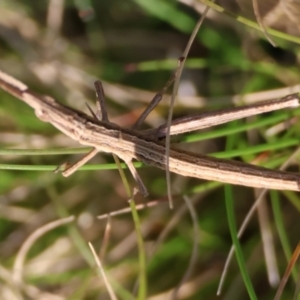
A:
(131, 144)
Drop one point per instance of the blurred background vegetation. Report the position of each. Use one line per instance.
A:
(60, 48)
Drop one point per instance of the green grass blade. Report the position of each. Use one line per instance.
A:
(49, 151)
(168, 12)
(229, 130)
(142, 291)
(236, 243)
(230, 143)
(250, 23)
(277, 211)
